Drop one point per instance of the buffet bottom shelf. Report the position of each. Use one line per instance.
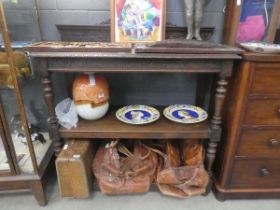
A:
(111, 127)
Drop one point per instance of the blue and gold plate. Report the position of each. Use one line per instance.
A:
(186, 114)
(137, 114)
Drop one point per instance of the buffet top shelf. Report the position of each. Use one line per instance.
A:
(180, 49)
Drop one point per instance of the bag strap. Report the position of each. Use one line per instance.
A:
(144, 168)
(113, 143)
(144, 157)
(124, 150)
(164, 156)
(187, 182)
(129, 159)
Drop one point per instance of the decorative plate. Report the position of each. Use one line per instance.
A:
(261, 47)
(183, 113)
(138, 114)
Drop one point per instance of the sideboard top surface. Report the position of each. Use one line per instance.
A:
(170, 49)
(261, 57)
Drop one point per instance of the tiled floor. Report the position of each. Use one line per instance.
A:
(150, 201)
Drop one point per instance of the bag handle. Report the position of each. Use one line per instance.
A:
(164, 156)
(184, 183)
(144, 168)
(113, 143)
(123, 149)
(129, 155)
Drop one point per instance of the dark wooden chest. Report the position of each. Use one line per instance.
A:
(249, 164)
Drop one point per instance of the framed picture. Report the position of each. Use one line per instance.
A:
(251, 20)
(138, 20)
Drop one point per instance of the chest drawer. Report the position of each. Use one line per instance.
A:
(256, 173)
(259, 143)
(262, 112)
(266, 79)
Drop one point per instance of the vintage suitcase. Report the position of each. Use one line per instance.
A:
(73, 167)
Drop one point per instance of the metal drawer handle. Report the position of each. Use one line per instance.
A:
(264, 172)
(274, 143)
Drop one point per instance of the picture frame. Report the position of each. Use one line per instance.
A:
(235, 13)
(138, 21)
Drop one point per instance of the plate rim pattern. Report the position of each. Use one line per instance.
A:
(123, 110)
(167, 113)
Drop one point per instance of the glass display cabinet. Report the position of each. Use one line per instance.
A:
(25, 148)
(6, 161)
(251, 20)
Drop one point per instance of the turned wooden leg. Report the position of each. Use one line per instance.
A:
(53, 125)
(38, 191)
(49, 98)
(216, 122)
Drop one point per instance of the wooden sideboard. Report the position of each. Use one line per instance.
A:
(248, 165)
(164, 57)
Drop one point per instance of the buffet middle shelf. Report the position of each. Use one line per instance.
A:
(110, 127)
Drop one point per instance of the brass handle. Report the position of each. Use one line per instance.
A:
(264, 172)
(274, 143)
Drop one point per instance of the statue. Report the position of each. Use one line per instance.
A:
(194, 13)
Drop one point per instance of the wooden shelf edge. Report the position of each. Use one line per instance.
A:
(134, 135)
(110, 127)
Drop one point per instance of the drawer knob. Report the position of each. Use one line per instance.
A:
(278, 112)
(274, 143)
(264, 172)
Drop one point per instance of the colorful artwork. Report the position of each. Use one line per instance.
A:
(254, 20)
(138, 20)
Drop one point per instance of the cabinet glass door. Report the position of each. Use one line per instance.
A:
(16, 131)
(4, 161)
(255, 20)
(23, 27)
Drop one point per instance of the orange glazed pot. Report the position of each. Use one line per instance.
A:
(91, 96)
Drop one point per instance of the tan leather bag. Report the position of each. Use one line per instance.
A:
(182, 180)
(120, 171)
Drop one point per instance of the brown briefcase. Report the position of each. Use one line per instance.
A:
(73, 169)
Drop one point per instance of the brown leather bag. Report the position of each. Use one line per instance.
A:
(120, 171)
(184, 181)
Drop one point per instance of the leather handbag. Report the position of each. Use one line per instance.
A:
(120, 171)
(186, 179)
